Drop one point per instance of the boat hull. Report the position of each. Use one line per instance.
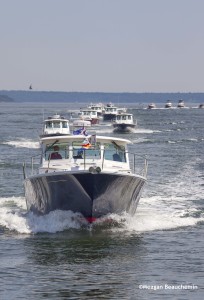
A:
(92, 195)
(94, 121)
(123, 127)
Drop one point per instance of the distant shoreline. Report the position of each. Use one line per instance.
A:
(96, 97)
(5, 98)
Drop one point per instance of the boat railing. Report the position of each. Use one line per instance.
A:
(32, 165)
(138, 163)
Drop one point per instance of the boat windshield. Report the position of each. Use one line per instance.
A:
(110, 110)
(64, 124)
(114, 152)
(48, 124)
(86, 151)
(53, 150)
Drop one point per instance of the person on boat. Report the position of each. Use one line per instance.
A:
(116, 157)
(55, 154)
(79, 154)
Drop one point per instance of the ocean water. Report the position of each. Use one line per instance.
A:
(158, 252)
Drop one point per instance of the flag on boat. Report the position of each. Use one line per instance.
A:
(80, 131)
(86, 144)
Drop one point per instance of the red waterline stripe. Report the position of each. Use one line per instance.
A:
(91, 219)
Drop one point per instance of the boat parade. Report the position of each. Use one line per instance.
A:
(82, 171)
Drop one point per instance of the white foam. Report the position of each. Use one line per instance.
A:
(13, 202)
(13, 220)
(23, 143)
(14, 217)
(55, 221)
(143, 130)
(171, 203)
(142, 140)
(151, 215)
(159, 213)
(105, 130)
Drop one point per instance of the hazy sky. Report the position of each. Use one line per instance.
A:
(102, 45)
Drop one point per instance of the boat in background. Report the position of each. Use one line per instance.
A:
(168, 104)
(201, 105)
(151, 105)
(90, 175)
(89, 115)
(110, 112)
(124, 123)
(78, 123)
(121, 110)
(99, 108)
(181, 104)
(55, 125)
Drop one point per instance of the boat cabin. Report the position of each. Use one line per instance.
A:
(56, 125)
(89, 114)
(124, 118)
(111, 110)
(96, 107)
(82, 153)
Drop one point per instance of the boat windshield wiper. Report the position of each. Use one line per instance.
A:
(52, 145)
(119, 147)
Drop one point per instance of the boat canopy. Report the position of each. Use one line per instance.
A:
(71, 138)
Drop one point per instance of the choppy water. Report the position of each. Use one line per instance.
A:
(157, 252)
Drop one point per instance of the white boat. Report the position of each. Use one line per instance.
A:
(151, 105)
(99, 108)
(78, 123)
(89, 115)
(91, 175)
(181, 104)
(124, 122)
(168, 104)
(121, 110)
(110, 112)
(80, 126)
(56, 125)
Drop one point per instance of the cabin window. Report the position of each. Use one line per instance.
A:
(114, 152)
(64, 125)
(56, 124)
(51, 151)
(48, 125)
(91, 152)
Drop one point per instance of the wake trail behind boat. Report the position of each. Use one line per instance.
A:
(154, 213)
(23, 143)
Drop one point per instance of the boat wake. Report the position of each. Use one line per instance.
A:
(14, 217)
(23, 143)
(169, 203)
(152, 214)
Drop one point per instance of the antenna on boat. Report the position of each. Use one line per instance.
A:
(43, 114)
